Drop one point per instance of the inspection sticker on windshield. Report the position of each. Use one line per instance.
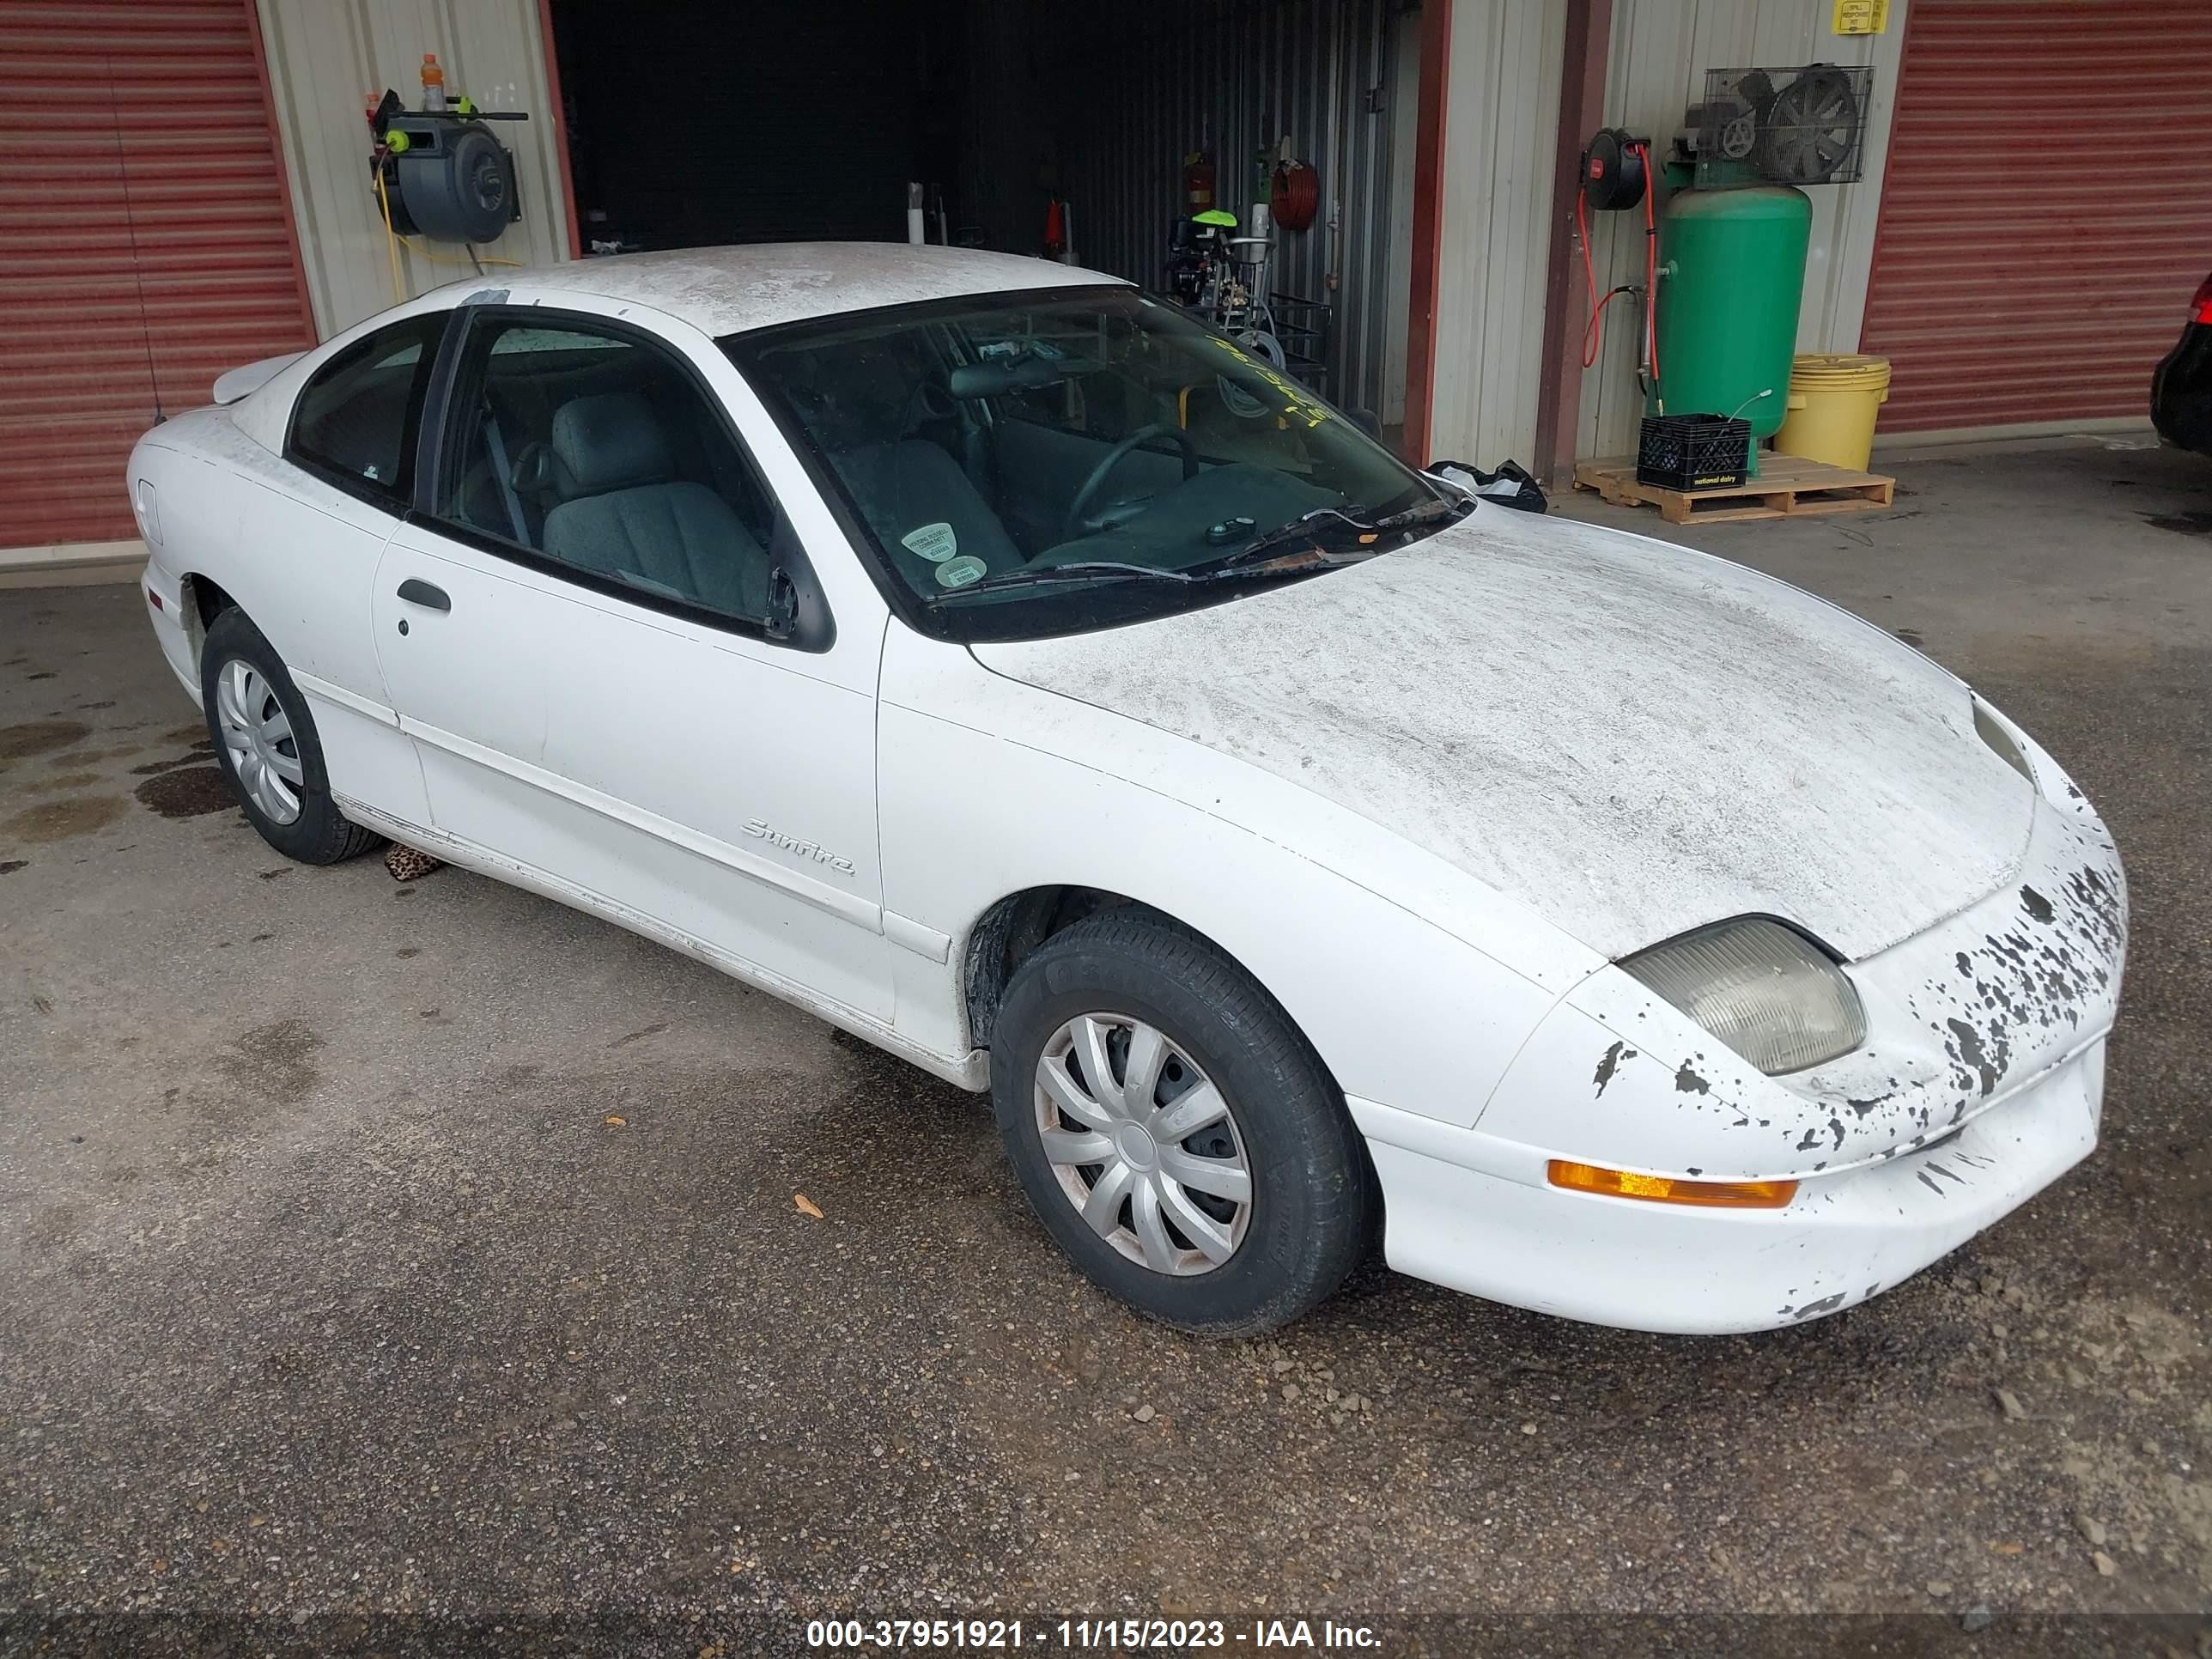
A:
(933, 542)
(958, 573)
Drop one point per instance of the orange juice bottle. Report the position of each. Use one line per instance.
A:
(433, 82)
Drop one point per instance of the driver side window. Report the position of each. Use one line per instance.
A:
(595, 449)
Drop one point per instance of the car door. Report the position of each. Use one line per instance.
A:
(300, 553)
(605, 635)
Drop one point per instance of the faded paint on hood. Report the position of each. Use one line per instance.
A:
(1631, 737)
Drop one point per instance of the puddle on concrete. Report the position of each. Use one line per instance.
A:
(62, 785)
(9, 866)
(276, 1062)
(188, 793)
(2197, 522)
(196, 733)
(40, 737)
(60, 820)
(151, 767)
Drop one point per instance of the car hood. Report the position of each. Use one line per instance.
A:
(1629, 736)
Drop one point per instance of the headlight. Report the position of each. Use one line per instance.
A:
(1994, 734)
(1764, 990)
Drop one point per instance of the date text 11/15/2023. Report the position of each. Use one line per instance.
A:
(1088, 1635)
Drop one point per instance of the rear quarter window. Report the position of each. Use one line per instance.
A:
(356, 421)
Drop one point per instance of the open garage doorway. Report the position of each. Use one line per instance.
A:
(1029, 125)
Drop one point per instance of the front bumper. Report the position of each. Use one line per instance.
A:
(2181, 392)
(165, 609)
(1466, 1210)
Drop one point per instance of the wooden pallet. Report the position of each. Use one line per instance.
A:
(1787, 487)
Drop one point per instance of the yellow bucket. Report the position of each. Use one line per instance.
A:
(1834, 398)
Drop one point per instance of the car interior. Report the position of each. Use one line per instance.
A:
(966, 456)
(1033, 454)
(603, 454)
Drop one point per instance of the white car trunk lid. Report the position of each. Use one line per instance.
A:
(1631, 738)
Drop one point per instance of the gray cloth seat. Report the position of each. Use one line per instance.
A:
(628, 514)
(903, 486)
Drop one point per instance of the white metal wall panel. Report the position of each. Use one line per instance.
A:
(1501, 112)
(1661, 51)
(325, 56)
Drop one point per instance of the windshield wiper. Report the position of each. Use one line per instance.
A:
(1080, 570)
(1308, 530)
(1262, 556)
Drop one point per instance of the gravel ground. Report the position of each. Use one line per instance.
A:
(415, 1263)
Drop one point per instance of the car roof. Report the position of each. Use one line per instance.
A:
(725, 290)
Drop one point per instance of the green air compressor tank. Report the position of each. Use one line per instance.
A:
(1732, 272)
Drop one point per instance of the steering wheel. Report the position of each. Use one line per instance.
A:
(1078, 511)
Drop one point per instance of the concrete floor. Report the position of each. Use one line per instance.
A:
(432, 1250)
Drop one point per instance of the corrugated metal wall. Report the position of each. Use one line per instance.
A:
(1137, 86)
(146, 245)
(1501, 115)
(1659, 53)
(2049, 209)
(326, 56)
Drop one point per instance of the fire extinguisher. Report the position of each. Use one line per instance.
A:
(1197, 182)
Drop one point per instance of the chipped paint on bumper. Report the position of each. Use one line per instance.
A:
(170, 630)
(1472, 1213)
(1958, 1017)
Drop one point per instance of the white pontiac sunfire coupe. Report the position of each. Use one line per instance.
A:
(1006, 668)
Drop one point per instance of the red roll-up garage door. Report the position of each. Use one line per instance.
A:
(2047, 208)
(146, 241)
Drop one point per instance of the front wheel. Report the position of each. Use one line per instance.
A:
(265, 743)
(1175, 1133)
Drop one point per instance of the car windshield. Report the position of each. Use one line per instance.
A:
(1030, 463)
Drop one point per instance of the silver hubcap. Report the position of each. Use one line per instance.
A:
(257, 735)
(1143, 1145)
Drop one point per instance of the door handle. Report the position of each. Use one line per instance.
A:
(416, 591)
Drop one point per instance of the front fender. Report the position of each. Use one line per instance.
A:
(988, 787)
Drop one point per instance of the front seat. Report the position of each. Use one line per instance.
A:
(629, 515)
(905, 486)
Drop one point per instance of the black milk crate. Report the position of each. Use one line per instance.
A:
(1693, 451)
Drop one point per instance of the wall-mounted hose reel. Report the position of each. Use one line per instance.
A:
(1615, 170)
(1616, 175)
(445, 175)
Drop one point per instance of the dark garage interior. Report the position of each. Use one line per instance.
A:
(693, 125)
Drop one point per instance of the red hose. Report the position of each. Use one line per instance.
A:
(1593, 332)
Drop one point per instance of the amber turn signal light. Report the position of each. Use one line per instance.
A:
(1666, 1189)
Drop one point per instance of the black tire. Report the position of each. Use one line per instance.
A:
(1314, 1198)
(321, 833)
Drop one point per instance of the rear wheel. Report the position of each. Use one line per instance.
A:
(1175, 1133)
(265, 743)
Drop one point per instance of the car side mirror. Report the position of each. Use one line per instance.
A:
(797, 610)
(781, 622)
